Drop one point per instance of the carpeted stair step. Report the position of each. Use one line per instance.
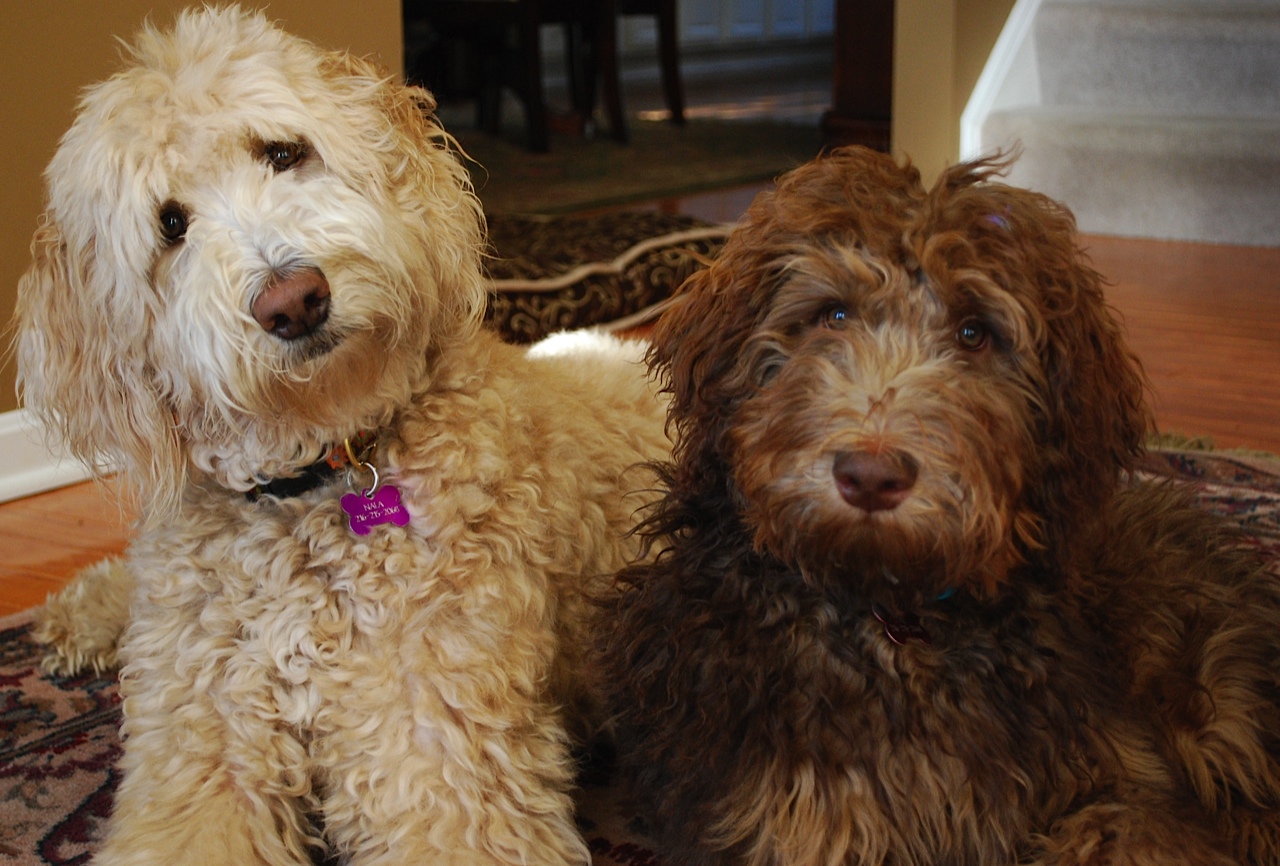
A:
(1196, 178)
(1150, 118)
(1215, 57)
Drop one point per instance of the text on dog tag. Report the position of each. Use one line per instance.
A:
(367, 512)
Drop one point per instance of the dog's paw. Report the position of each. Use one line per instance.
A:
(80, 626)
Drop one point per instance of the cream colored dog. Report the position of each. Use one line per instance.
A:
(258, 255)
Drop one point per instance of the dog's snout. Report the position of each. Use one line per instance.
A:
(293, 305)
(878, 481)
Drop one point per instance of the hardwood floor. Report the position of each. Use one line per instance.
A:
(1205, 321)
(46, 539)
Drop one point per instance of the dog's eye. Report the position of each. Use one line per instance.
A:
(173, 222)
(834, 317)
(972, 335)
(284, 155)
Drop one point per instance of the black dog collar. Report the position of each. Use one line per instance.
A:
(317, 474)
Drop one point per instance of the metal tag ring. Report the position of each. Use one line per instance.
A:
(368, 467)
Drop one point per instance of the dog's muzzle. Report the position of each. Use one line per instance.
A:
(293, 305)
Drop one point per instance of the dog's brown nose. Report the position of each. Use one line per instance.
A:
(293, 305)
(875, 482)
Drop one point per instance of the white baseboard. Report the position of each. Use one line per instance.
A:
(29, 466)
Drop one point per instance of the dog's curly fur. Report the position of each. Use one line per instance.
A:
(402, 697)
(914, 403)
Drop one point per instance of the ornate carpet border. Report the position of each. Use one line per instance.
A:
(611, 268)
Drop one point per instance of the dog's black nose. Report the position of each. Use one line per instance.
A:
(293, 305)
(877, 481)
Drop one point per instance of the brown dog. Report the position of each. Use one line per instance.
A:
(911, 607)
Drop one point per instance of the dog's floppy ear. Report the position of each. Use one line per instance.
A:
(1088, 387)
(1096, 417)
(82, 377)
(394, 136)
(696, 347)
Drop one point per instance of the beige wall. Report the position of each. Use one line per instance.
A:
(940, 47)
(53, 48)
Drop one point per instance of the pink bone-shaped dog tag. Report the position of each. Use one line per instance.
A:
(369, 511)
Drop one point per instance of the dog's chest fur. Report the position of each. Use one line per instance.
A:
(287, 608)
(293, 605)
(290, 612)
(837, 732)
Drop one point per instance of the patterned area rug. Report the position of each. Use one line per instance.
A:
(662, 161)
(611, 270)
(58, 740)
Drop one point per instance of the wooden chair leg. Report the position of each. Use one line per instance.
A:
(669, 56)
(489, 96)
(535, 105)
(580, 68)
(607, 63)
